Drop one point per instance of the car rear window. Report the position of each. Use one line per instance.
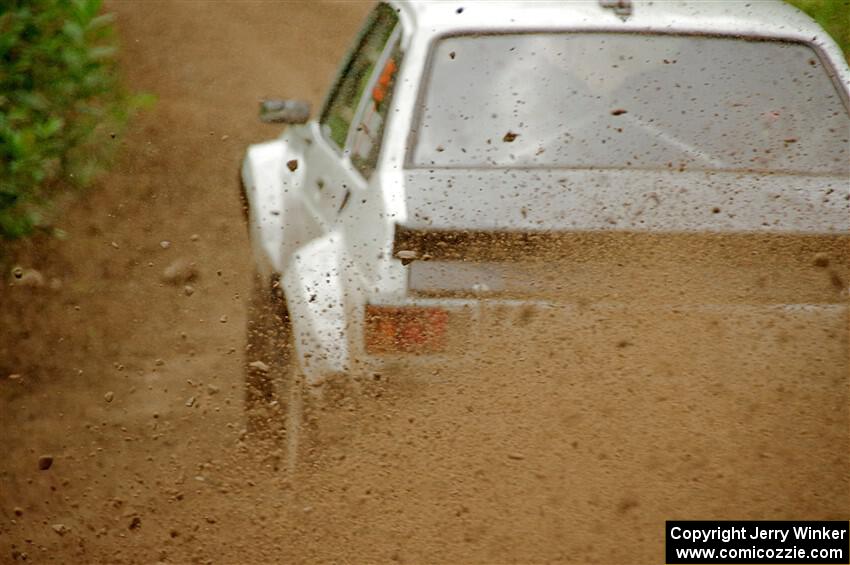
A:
(615, 100)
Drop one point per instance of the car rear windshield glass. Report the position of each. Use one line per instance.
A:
(651, 101)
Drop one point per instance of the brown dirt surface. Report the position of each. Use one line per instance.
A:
(561, 434)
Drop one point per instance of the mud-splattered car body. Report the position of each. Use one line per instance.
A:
(374, 218)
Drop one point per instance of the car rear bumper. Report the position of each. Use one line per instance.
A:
(479, 326)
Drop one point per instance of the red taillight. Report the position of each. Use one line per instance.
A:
(405, 329)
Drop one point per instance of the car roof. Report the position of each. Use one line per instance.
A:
(767, 18)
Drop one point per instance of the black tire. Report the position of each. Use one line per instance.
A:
(243, 197)
(270, 375)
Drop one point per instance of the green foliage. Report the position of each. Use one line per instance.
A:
(833, 16)
(61, 103)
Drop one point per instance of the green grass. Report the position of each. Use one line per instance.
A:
(833, 16)
(61, 104)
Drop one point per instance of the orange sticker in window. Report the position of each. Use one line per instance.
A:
(380, 90)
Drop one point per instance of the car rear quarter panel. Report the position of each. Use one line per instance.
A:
(279, 221)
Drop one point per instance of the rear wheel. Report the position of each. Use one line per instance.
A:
(272, 385)
(243, 197)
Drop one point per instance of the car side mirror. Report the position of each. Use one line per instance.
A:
(284, 111)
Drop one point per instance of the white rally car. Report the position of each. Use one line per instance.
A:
(453, 125)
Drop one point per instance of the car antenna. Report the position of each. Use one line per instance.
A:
(622, 8)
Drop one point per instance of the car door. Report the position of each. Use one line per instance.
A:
(336, 155)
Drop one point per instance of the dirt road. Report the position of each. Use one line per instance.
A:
(569, 437)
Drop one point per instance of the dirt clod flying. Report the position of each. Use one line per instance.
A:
(821, 260)
(28, 278)
(180, 271)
